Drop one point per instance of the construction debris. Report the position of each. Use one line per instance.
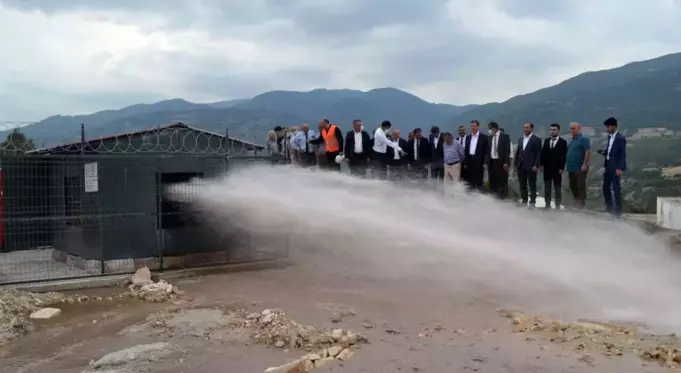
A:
(309, 362)
(137, 354)
(45, 313)
(16, 307)
(586, 338)
(142, 286)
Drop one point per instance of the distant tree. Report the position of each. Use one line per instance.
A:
(16, 142)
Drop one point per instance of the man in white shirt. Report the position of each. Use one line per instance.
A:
(477, 156)
(357, 149)
(398, 161)
(380, 157)
(527, 161)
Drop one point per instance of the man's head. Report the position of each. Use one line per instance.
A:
(417, 133)
(357, 125)
(305, 127)
(554, 129)
(410, 135)
(493, 127)
(294, 129)
(435, 131)
(396, 134)
(475, 127)
(528, 128)
(610, 125)
(462, 130)
(448, 137)
(386, 125)
(324, 123)
(575, 128)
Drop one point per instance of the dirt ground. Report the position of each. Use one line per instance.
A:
(412, 326)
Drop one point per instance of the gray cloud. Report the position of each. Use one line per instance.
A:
(456, 52)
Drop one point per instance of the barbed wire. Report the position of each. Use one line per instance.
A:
(171, 139)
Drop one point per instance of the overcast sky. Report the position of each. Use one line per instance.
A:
(80, 56)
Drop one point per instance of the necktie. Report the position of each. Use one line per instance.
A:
(307, 145)
(553, 143)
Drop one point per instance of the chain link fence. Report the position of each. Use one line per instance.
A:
(99, 207)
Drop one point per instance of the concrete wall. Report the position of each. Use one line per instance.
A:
(669, 212)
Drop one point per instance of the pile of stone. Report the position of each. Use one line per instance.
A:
(273, 327)
(17, 308)
(314, 360)
(606, 338)
(142, 286)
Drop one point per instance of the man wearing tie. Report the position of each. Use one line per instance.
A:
(437, 167)
(615, 163)
(357, 149)
(398, 161)
(499, 161)
(300, 143)
(553, 159)
(527, 161)
(419, 153)
(477, 156)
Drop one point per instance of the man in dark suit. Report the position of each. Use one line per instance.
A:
(499, 160)
(419, 154)
(615, 164)
(461, 139)
(437, 165)
(477, 156)
(527, 161)
(357, 149)
(398, 162)
(553, 157)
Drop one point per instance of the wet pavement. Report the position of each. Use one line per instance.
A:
(413, 325)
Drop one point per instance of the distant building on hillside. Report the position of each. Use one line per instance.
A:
(643, 133)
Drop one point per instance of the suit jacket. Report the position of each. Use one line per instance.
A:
(503, 148)
(553, 160)
(530, 156)
(425, 151)
(438, 156)
(618, 153)
(403, 158)
(350, 145)
(481, 156)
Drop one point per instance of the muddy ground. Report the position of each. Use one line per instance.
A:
(412, 326)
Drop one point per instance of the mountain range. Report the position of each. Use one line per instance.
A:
(640, 94)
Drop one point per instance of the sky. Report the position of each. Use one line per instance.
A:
(81, 56)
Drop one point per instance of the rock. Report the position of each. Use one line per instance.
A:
(279, 344)
(321, 362)
(149, 352)
(141, 277)
(333, 351)
(298, 366)
(312, 357)
(337, 334)
(345, 355)
(45, 313)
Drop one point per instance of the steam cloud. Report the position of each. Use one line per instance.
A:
(566, 263)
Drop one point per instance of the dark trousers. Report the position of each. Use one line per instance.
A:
(474, 175)
(308, 159)
(528, 180)
(498, 178)
(418, 171)
(358, 165)
(331, 161)
(379, 165)
(553, 181)
(437, 172)
(612, 188)
(577, 181)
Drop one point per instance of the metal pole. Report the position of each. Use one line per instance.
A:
(226, 150)
(82, 138)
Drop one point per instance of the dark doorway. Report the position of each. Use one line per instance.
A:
(172, 213)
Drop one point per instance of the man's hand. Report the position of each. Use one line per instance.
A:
(618, 172)
(560, 172)
(485, 166)
(346, 160)
(534, 169)
(585, 168)
(506, 168)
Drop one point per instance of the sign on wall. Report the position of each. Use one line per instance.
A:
(91, 178)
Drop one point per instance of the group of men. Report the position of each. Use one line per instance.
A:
(466, 157)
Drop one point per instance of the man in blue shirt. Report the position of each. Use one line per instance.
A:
(453, 154)
(301, 144)
(577, 163)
